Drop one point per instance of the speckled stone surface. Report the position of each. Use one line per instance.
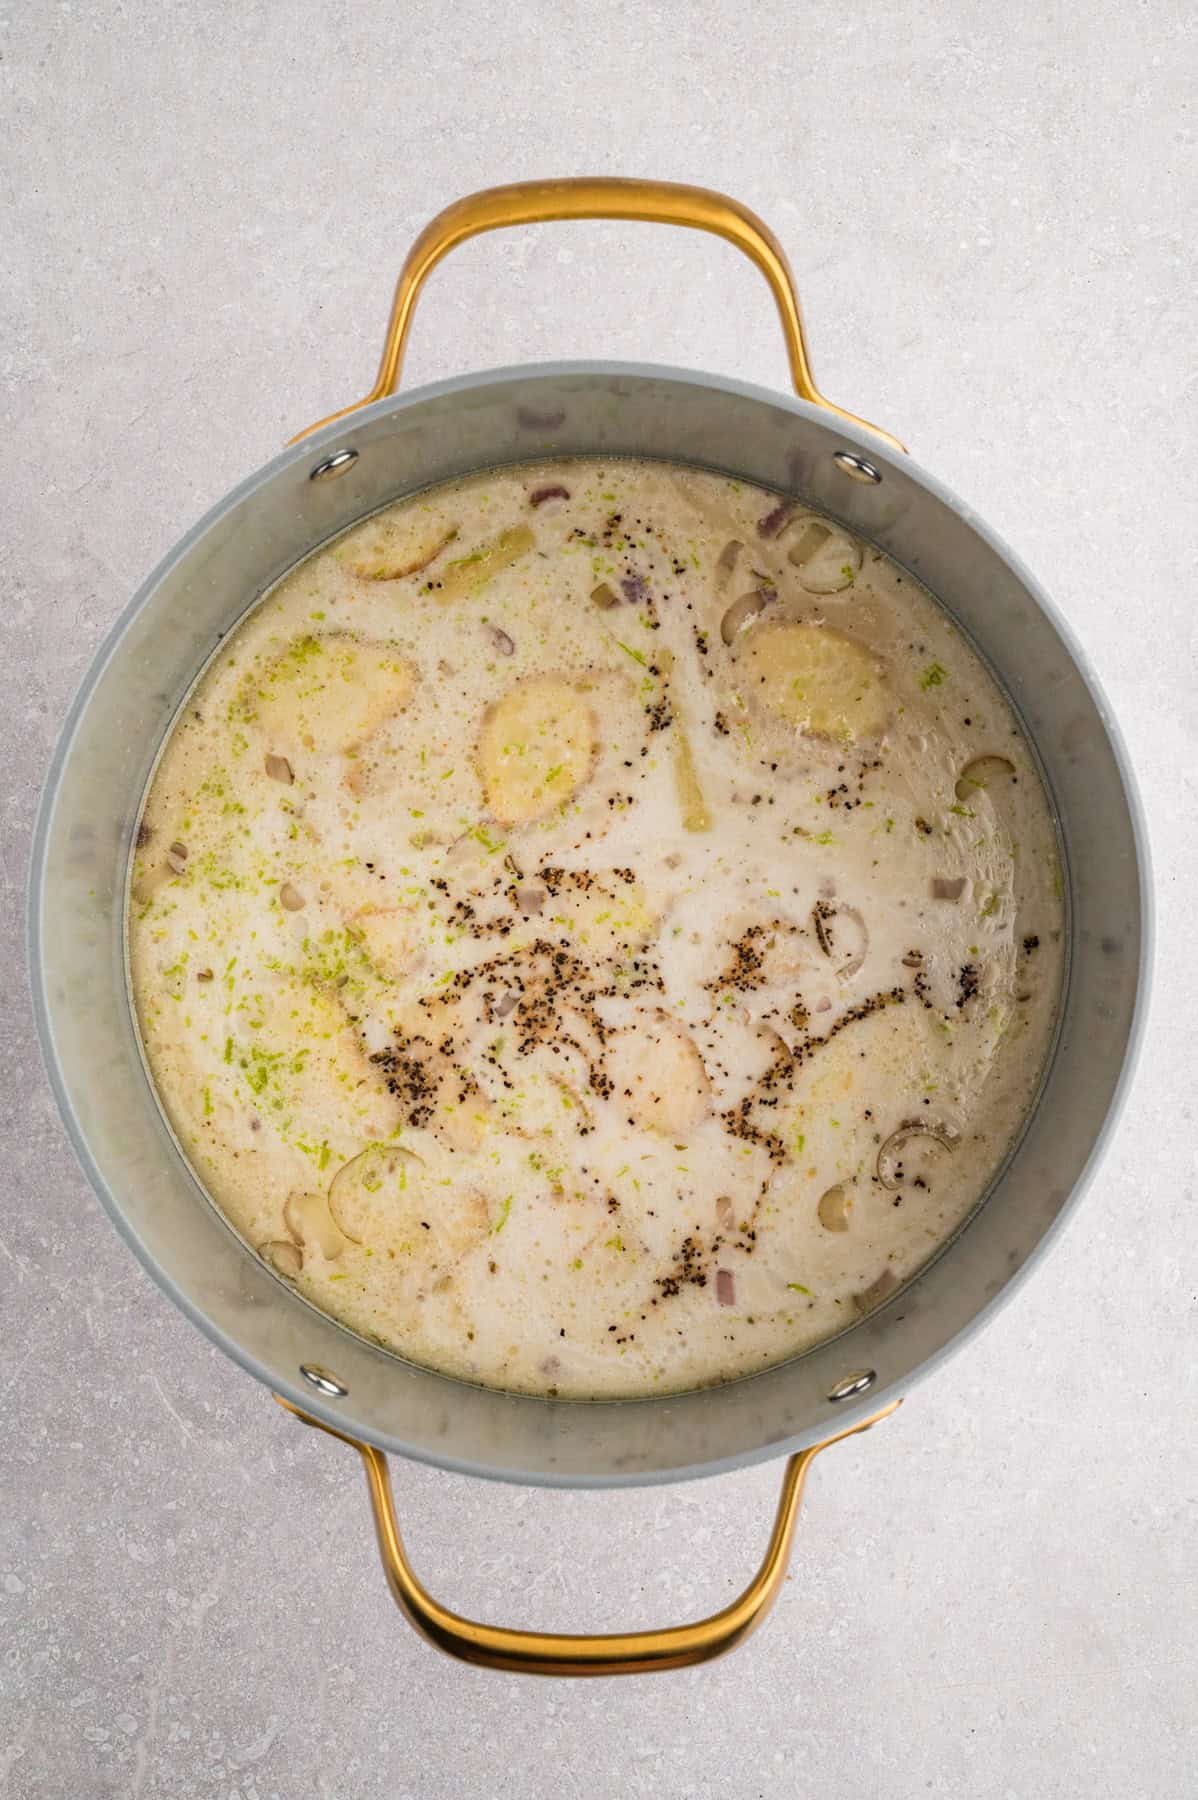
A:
(992, 212)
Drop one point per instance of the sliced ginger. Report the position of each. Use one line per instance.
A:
(310, 1223)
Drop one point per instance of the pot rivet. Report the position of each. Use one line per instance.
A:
(853, 1384)
(333, 466)
(323, 1381)
(856, 467)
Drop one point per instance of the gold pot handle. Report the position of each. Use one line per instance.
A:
(599, 197)
(555, 1653)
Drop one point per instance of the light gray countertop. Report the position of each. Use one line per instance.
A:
(992, 215)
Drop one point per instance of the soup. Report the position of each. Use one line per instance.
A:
(595, 928)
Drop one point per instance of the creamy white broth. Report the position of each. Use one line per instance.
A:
(595, 929)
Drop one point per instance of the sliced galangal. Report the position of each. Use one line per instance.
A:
(326, 693)
(536, 747)
(815, 679)
(657, 1076)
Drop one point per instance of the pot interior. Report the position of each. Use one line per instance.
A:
(126, 708)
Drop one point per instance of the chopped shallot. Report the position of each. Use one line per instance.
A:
(771, 523)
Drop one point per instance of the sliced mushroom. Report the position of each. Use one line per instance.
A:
(726, 563)
(554, 492)
(833, 1208)
(843, 936)
(388, 1201)
(283, 1256)
(890, 1153)
(725, 1287)
(529, 899)
(827, 558)
(983, 772)
(876, 1292)
(176, 858)
(743, 610)
(278, 768)
(945, 887)
(810, 539)
(290, 898)
(604, 597)
(309, 1221)
(360, 1193)
(724, 1213)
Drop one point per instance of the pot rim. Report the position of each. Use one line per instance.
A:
(316, 447)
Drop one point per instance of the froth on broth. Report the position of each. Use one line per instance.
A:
(595, 928)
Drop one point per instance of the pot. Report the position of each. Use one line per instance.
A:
(372, 453)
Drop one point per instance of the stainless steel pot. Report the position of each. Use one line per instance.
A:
(374, 452)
